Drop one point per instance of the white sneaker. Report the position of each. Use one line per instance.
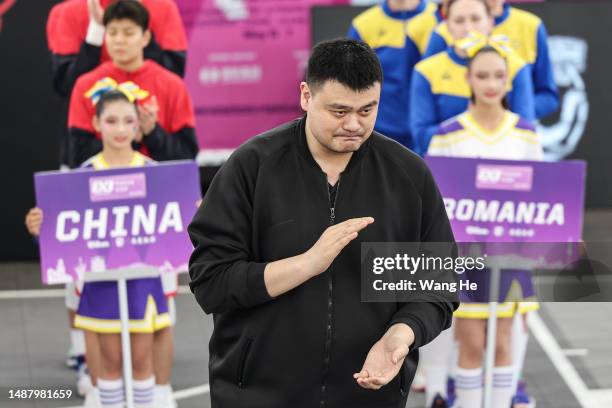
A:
(92, 399)
(163, 397)
(84, 385)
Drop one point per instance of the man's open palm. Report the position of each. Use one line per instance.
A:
(382, 364)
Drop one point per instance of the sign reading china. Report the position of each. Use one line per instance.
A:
(97, 220)
(508, 201)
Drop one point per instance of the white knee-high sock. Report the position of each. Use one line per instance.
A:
(520, 338)
(454, 359)
(144, 391)
(77, 341)
(112, 394)
(502, 386)
(468, 387)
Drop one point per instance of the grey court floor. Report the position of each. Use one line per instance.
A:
(569, 357)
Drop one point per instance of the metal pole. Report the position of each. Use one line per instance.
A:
(125, 342)
(121, 276)
(491, 337)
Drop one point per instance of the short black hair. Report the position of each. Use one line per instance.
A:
(127, 10)
(109, 97)
(350, 62)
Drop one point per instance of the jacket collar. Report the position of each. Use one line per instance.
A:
(503, 16)
(302, 145)
(456, 58)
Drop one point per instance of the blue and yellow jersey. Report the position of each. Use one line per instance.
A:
(528, 37)
(439, 91)
(97, 162)
(420, 27)
(440, 39)
(385, 31)
(461, 136)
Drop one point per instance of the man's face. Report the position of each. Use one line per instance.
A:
(339, 118)
(125, 40)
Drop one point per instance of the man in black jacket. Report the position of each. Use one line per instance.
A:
(277, 251)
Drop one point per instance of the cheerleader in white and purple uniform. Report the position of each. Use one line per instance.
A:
(98, 312)
(488, 130)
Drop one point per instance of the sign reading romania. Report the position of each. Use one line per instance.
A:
(507, 201)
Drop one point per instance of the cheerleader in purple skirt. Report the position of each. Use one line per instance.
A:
(117, 121)
(488, 130)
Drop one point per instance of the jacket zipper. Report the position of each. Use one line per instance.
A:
(403, 391)
(242, 365)
(330, 290)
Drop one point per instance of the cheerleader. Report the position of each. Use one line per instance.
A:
(439, 90)
(117, 121)
(116, 118)
(488, 130)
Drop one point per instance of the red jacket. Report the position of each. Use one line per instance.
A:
(72, 56)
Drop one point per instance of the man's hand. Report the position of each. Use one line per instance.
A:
(96, 12)
(386, 357)
(283, 275)
(333, 240)
(33, 221)
(147, 114)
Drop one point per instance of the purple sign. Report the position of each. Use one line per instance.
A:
(97, 220)
(512, 201)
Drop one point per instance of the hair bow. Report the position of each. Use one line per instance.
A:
(132, 91)
(475, 41)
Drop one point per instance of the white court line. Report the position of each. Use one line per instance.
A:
(602, 398)
(576, 352)
(54, 293)
(560, 361)
(32, 294)
(180, 395)
(191, 392)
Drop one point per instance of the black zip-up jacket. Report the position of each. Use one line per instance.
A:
(270, 201)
